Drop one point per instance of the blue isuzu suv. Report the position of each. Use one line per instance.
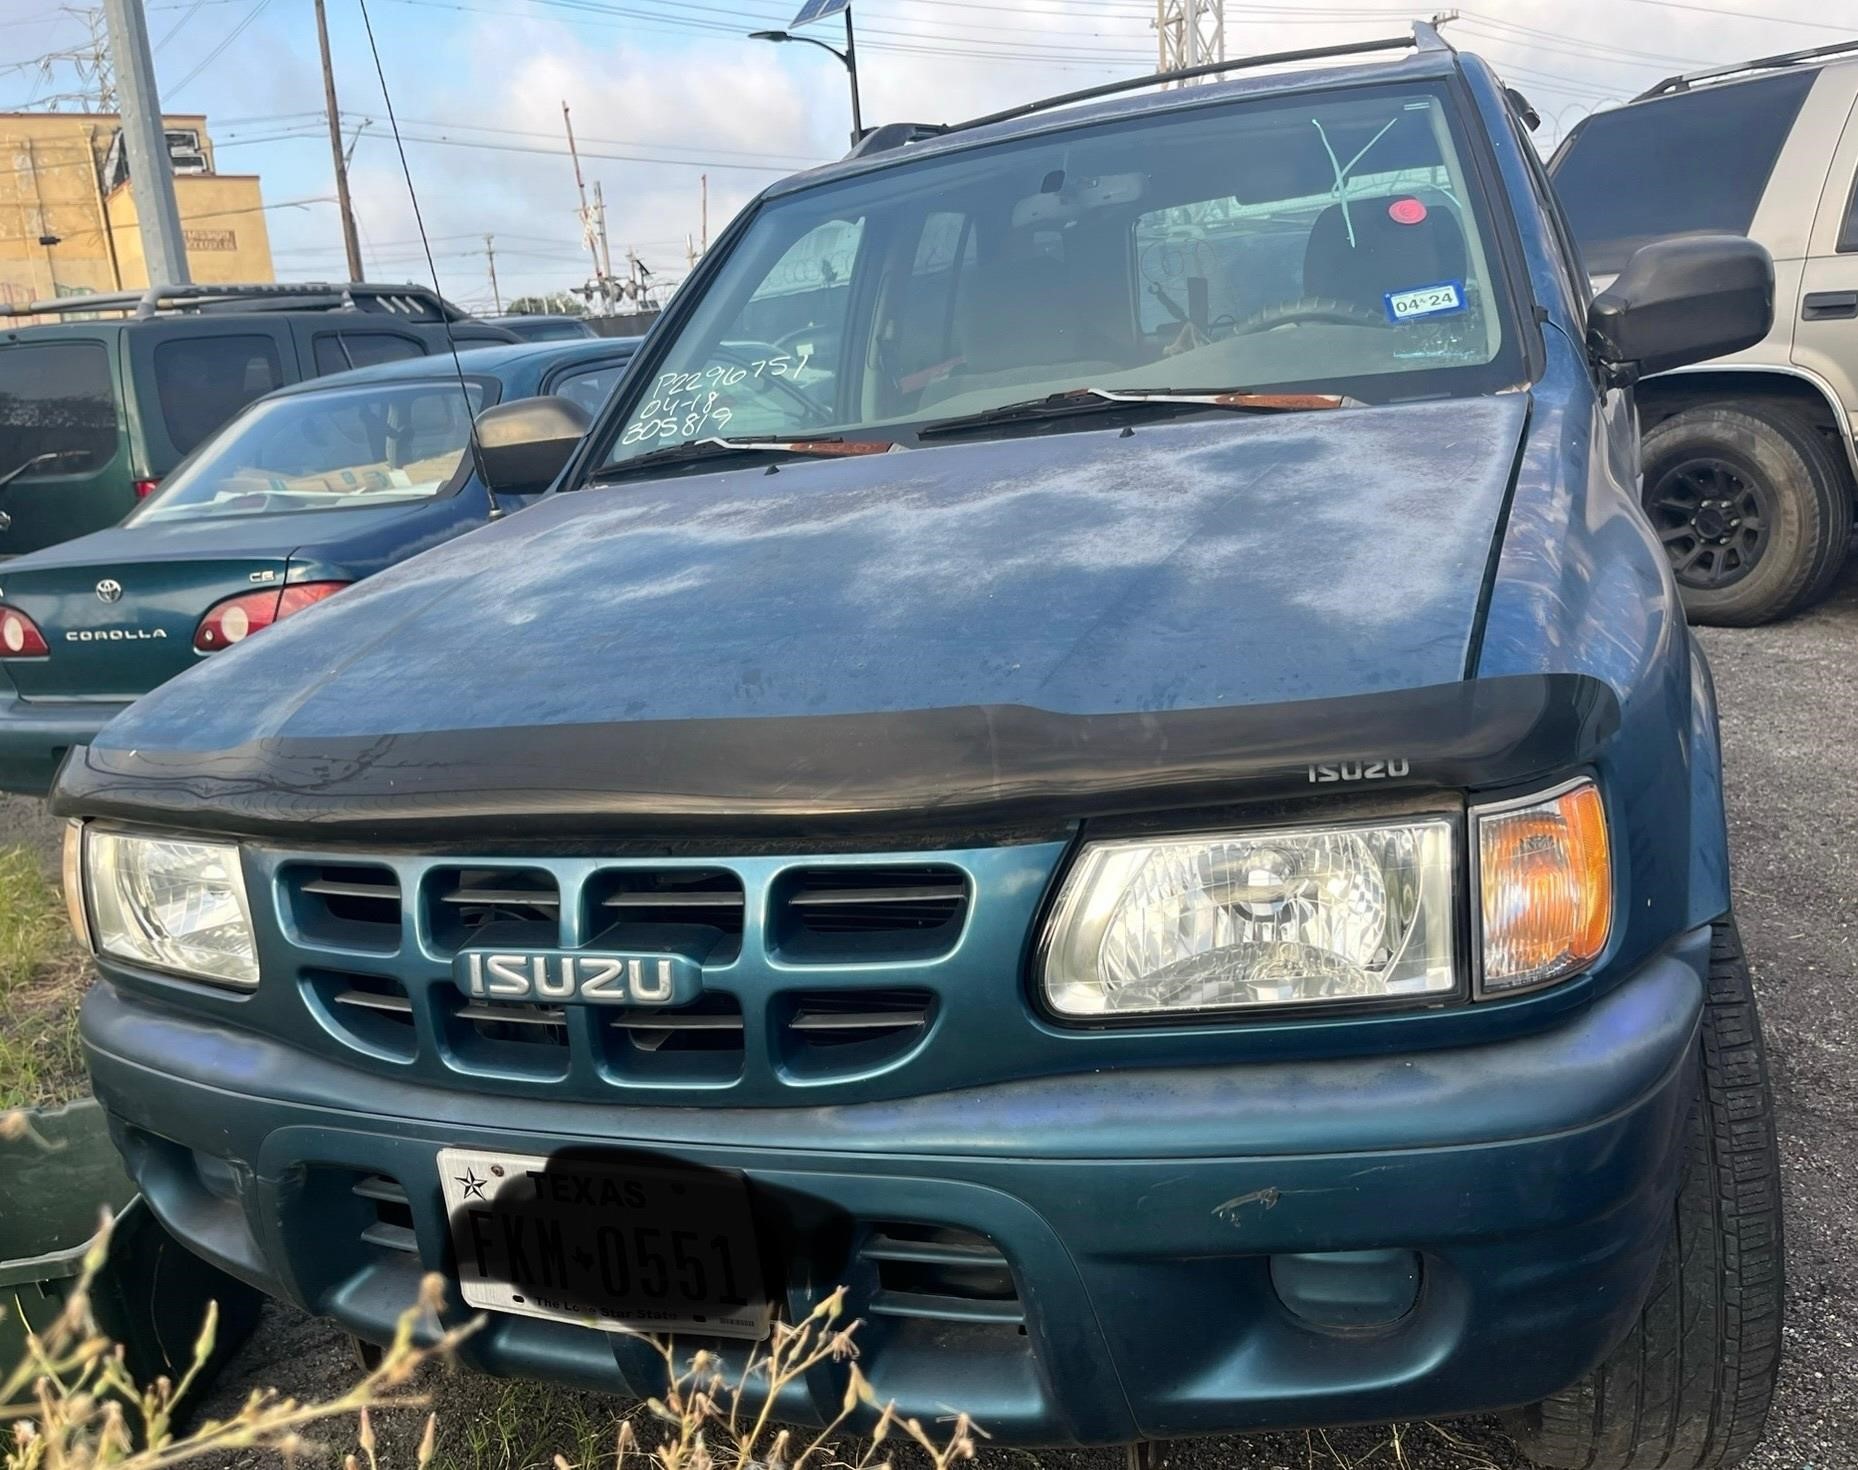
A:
(1093, 747)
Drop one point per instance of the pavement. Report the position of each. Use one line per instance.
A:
(1789, 698)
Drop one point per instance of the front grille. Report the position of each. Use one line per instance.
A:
(816, 972)
(514, 1040)
(701, 1044)
(390, 1226)
(828, 1032)
(373, 1012)
(938, 1274)
(525, 904)
(344, 906)
(694, 910)
(862, 914)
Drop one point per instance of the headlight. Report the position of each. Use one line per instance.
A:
(1545, 881)
(172, 905)
(1249, 920)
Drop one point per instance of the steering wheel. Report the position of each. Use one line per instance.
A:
(824, 341)
(812, 411)
(1324, 309)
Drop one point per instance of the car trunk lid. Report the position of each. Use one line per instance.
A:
(118, 624)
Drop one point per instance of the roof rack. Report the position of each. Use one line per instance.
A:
(886, 136)
(421, 303)
(1423, 37)
(1672, 85)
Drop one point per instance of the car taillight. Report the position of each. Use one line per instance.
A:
(20, 636)
(237, 618)
(145, 488)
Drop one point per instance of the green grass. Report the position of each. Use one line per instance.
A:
(499, 1424)
(42, 978)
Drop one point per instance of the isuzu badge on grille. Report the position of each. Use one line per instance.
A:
(592, 977)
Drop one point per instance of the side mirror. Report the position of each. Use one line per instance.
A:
(523, 445)
(1682, 301)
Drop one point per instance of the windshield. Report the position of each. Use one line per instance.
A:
(335, 448)
(1332, 242)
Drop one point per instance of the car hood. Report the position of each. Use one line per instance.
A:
(1190, 566)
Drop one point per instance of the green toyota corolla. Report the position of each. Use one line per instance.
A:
(307, 490)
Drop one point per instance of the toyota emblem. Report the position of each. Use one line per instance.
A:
(109, 590)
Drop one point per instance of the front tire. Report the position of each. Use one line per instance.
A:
(1754, 511)
(1689, 1388)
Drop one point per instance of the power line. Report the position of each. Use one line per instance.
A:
(1817, 25)
(1480, 18)
(1531, 46)
(444, 142)
(702, 154)
(613, 17)
(213, 55)
(174, 29)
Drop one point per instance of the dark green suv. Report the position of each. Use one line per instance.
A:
(96, 409)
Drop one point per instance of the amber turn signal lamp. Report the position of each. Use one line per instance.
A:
(1545, 878)
(71, 870)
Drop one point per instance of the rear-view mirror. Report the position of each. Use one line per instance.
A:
(522, 446)
(1682, 301)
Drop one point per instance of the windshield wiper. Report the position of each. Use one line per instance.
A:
(1077, 402)
(701, 449)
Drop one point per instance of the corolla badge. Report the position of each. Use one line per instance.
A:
(109, 590)
(113, 635)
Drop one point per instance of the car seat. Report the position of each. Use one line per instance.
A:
(1016, 317)
(1384, 254)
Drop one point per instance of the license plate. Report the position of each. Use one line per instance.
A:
(607, 1245)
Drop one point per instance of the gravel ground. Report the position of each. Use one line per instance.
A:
(1789, 695)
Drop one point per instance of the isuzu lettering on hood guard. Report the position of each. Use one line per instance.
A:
(1094, 748)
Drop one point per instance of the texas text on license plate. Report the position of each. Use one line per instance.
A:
(605, 1244)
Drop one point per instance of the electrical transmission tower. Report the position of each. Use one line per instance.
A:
(88, 60)
(1191, 32)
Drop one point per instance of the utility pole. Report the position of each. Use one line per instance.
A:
(586, 215)
(1190, 33)
(606, 255)
(490, 254)
(703, 181)
(351, 243)
(151, 170)
(851, 65)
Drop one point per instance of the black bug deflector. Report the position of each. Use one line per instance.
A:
(964, 768)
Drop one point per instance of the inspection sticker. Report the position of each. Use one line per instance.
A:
(1437, 300)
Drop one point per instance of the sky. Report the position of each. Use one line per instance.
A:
(663, 92)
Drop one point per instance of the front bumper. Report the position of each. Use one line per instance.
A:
(35, 734)
(1534, 1197)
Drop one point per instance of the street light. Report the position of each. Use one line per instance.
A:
(848, 58)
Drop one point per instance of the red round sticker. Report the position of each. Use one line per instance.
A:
(1406, 211)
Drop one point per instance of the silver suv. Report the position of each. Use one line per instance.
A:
(1748, 459)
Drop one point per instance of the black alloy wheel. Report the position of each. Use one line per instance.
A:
(1751, 504)
(1713, 517)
